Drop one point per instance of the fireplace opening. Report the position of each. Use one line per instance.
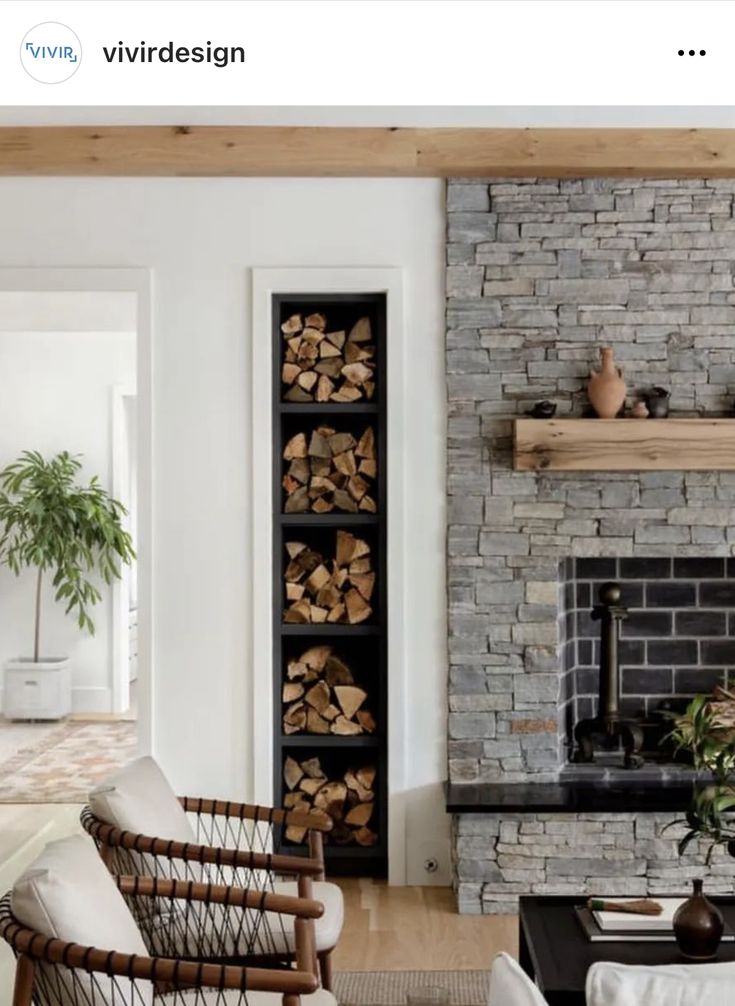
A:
(676, 640)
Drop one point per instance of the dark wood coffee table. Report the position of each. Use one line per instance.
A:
(556, 954)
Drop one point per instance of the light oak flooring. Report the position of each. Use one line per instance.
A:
(416, 929)
(386, 928)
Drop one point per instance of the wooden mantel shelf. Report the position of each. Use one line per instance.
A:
(624, 445)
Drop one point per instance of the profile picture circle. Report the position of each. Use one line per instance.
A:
(50, 52)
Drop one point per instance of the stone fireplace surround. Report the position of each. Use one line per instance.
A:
(540, 274)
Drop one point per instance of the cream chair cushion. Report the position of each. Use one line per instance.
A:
(68, 893)
(328, 928)
(611, 984)
(511, 986)
(140, 799)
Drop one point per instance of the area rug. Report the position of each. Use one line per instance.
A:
(389, 988)
(63, 764)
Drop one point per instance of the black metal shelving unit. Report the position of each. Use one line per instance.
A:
(366, 643)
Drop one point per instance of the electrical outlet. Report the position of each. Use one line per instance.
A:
(428, 863)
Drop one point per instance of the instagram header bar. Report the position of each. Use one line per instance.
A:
(367, 52)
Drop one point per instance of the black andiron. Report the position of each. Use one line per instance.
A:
(609, 727)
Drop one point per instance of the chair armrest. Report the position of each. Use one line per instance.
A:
(190, 852)
(314, 820)
(233, 897)
(179, 973)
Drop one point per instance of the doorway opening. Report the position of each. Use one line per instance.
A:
(69, 376)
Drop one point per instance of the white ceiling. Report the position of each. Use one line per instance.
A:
(565, 115)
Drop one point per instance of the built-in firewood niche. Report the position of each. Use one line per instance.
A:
(330, 599)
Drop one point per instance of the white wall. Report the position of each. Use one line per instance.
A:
(200, 237)
(54, 396)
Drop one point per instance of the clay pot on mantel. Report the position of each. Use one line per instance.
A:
(606, 389)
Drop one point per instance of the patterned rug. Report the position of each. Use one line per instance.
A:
(389, 988)
(63, 764)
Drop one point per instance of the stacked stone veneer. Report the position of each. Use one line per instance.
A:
(498, 858)
(540, 274)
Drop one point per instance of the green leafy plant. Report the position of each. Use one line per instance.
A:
(70, 531)
(707, 733)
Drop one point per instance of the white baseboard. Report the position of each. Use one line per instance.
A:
(85, 699)
(91, 699)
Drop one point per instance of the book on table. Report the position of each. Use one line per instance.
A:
(610, 927)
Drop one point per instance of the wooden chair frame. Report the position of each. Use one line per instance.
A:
(108, 838)
(32, 947)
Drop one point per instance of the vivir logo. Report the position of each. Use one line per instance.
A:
(50, 52)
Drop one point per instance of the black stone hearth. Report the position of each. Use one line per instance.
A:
(641, 796)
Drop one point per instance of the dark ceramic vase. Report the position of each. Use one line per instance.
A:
(657, 401)
(698, 926)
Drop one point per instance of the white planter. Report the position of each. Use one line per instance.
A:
(37, 690)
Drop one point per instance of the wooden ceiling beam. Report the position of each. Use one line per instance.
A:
(306, 151)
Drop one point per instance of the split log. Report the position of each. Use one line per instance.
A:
(294, 591)
(324, 388)
(316, 657)
(331, 798)
(292, 324)
(361, 331)
(311, 786)
(317, 321)
(336, 591)
(337, 672)
(366, 837)
(367, 721)
(350, 699)
(292, 772)
(295, 719)
(320, 696)
(292, 690)
(365, 583)
(366, 776)
(358, 610)
(312, 767)
(360, 814)
(337, 338)
(313, 792)
(309, 345)
(345, 728)
(364, 793)
(315, 723)
(327, 471)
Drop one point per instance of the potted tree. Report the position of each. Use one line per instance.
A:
(72, 533)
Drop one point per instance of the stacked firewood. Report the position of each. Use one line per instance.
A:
(327, 366)
(321, 696)
(349, 801)
(319, 590)
(332, 471)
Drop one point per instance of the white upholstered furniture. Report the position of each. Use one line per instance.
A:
(511, 986)
(139, 801)
(67, 903)
(670, 985)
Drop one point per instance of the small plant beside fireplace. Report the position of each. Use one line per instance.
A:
(707, 732)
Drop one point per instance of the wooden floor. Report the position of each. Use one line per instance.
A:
(386, 928)
(416, 929)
